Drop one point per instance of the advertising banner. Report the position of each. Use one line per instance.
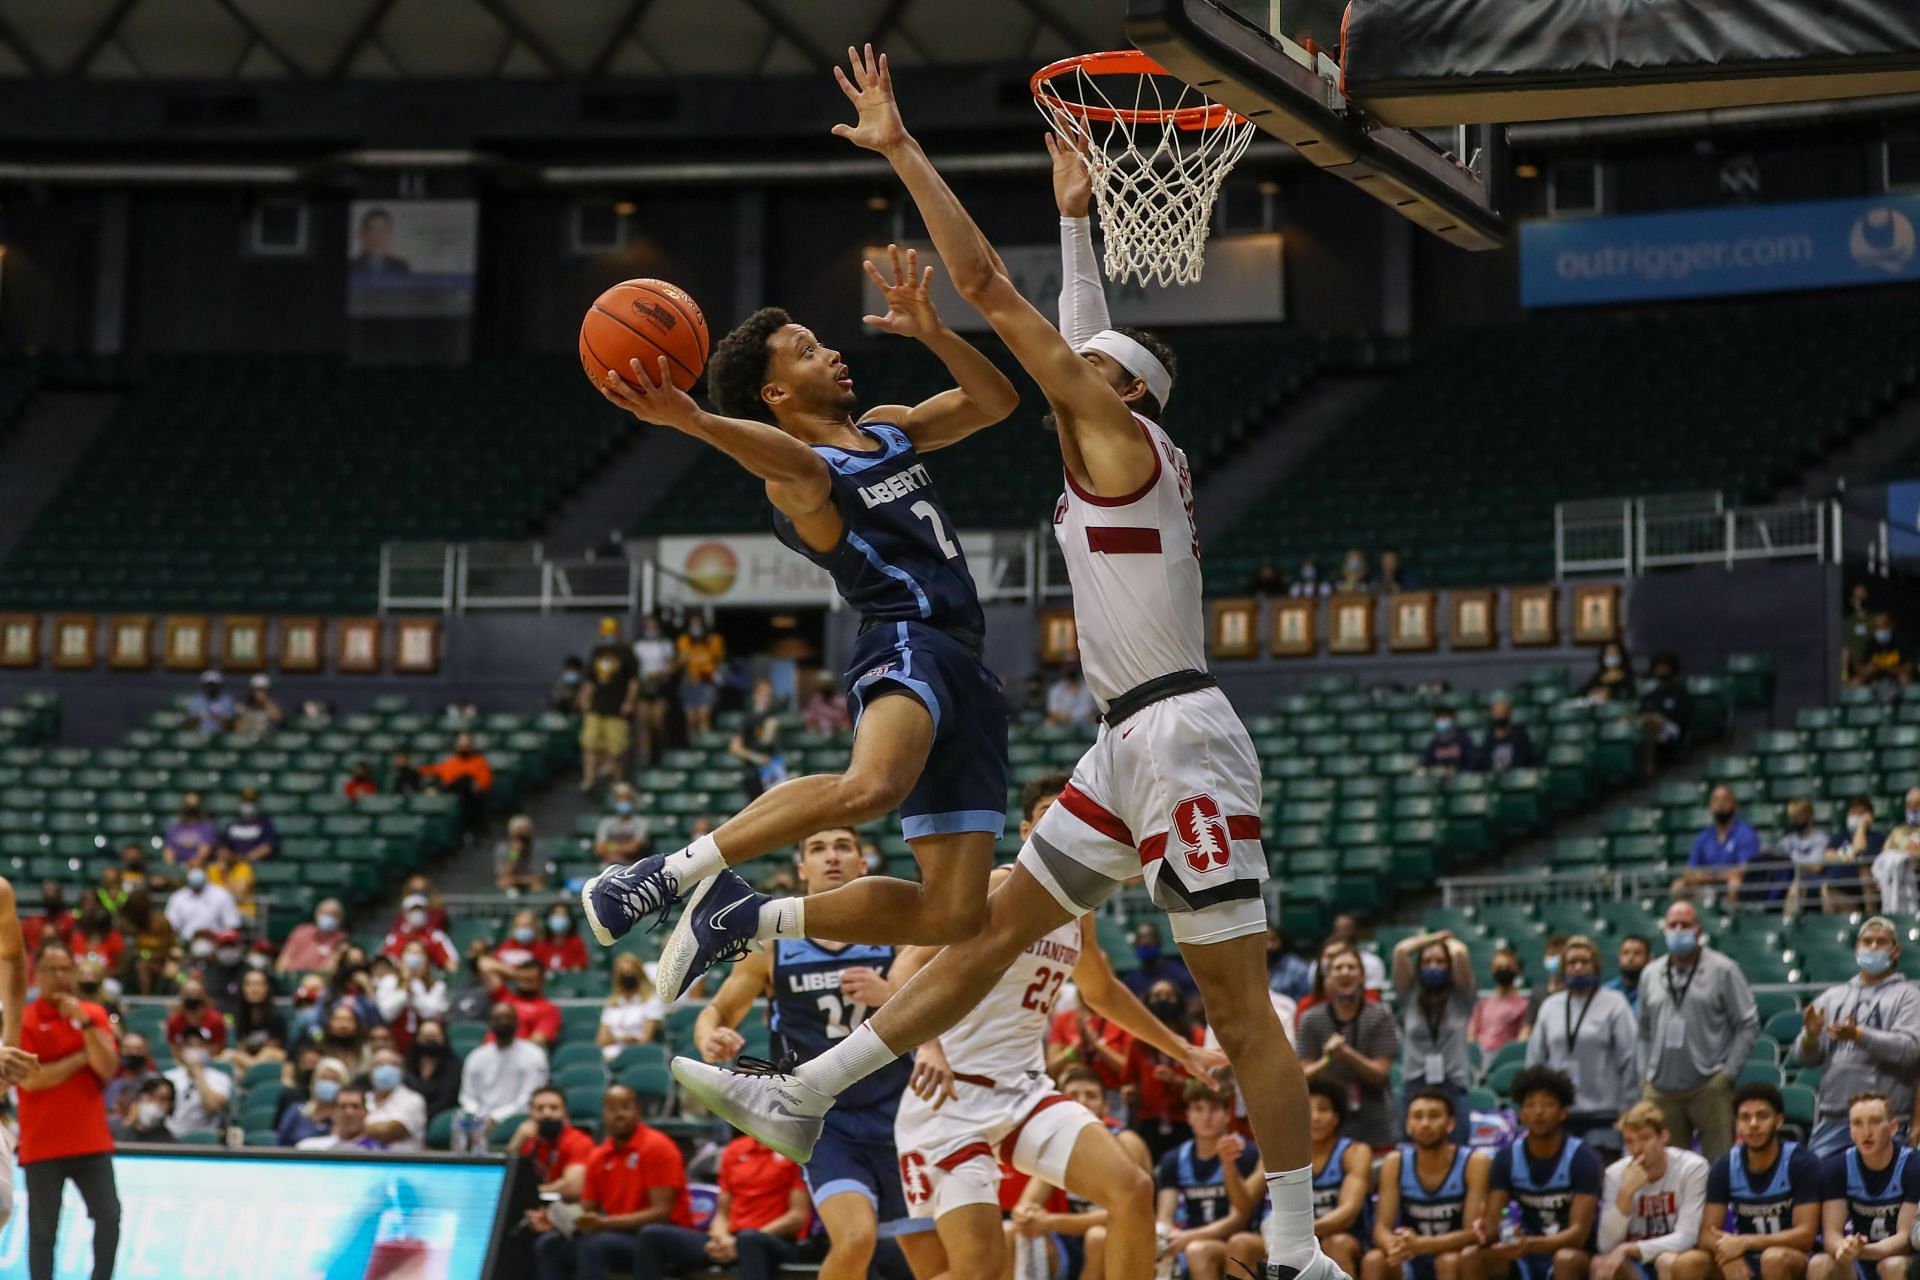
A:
(1243, 283)
(411, 258)
(758, 569)
(218, 1215)
(1706, 252)
(1903, 519)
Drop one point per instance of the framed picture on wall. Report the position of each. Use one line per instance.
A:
(1236, 629)
(357, 645)
(243, 644)
(300, 644)
(1294, 627)
(73, 637)
(1534, 619)
(1350, 623)
(19, 640)
(1411, 627)
(1596, 613)
(130, 642)
(416, 645)
(1059, 635)
(183, 644)
(1471, 620)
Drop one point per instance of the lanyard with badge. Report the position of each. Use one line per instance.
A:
(1675, 1035)
(1573, 1036)
(1435, 1068)
(1345, 1031)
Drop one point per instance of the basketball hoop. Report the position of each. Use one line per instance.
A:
(1157, 157)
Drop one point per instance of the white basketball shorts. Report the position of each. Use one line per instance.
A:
(951, 1158)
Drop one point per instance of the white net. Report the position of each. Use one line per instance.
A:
(1158, 151)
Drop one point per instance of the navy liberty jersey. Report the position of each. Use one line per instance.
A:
(1761, 1204)
(1202, 1183)
(1438, 1211)
(1326, 1183)
(1873, 1197)
(808, 1015)
(1542, 1191)
(899, 559)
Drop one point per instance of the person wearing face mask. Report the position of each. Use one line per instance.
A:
(1307, 582)
(633, 1014)
(251, 835)
(1856, 631)
(1550, 962)
(608, 697)
(501, 1073)
(1865, 1033)
(654, 656)
(1887, 663)
(433, 1067)
(1157, 966)
(222, 971)
(191, 836)
(1612, 678)
(1698, 1021)
(360, 781)
(1501, 1018)
(1849, 862)
(199, 906)
(202, 1091)
(409, 992)
(314, 1116)
(1721, 851)
(228, 870)
(146, 1120)
(1631, 962)
(563, 950)
(621, 836)
(210, 711)
(1154, 1083)
(136, 1067)
(563, 695)
(416, 925)
(1666, 713)
(1353, 573)
(522, 986)
(559, 1150)
(396, 1115)
(1507, 745)
(1589, 1034)
(517, 865)
(699, 653)
(1449, 750)
(1433, 978)
(194, 1020)
(1803, 844)
(259, 1029)
(465, 774)
(315, 946)
(95, 939)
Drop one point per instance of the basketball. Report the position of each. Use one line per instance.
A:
(644, 320)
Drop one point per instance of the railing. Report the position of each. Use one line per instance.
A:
(1547, 883)
(458, 577)
(1634, 535)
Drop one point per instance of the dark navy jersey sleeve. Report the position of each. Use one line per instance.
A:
(1720, 1180)
(1833, 1176)
(1500, 1174)
(1168, 1174)
(1248, 1159)
(1586, 1172)
(1910, 1181)
(1808, 1182)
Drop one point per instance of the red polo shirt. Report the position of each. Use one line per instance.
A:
(622, 1173)
(539, 1016)
(760, 1181)
(69, 1119)
(551, 1159)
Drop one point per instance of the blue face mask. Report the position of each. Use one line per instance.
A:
(1147, 955)
(326, 1090)
(1872, 961)
(623, 807)
(1681, 942)
(1552, 965)
(386, 1077)
(1443, 725)
(559, 924)
(523, 934)
(1579, 982)
(1435, 976)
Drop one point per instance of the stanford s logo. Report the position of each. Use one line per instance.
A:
(662, 316)
(913, 1178)
(1202, 833)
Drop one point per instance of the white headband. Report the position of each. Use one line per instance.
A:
(1135, 359)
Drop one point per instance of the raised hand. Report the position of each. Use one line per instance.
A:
(660, 403)
(1072, 187)
(910, 310)
(870, 89)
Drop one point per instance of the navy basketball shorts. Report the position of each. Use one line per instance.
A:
(856, 1154)
(964, 786)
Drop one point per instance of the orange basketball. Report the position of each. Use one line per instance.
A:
(644, 320)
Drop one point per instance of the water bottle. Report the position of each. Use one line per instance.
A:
(1029, 1257)
(1163, 1269)
(1509, 1230)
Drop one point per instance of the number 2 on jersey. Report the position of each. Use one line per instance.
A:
(842, 1015)
(1044, 1003)
(925, 510)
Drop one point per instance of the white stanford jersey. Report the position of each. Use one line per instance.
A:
(1004, 1036)
(1134, 562)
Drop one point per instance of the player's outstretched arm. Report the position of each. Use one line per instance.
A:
(983, 396)
(797, 479)
(1114, 452)
(1083, 298)
(1103, 994)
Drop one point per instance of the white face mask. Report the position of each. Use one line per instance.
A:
(148, 1114)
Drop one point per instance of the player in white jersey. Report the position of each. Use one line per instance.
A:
(1171, 787)
(1001, 1105)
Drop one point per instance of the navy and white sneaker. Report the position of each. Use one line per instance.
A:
(759, 1100)
(718, 925)
(621, 897)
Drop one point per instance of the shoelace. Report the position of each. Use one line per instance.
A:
(748, 1065)
(653, 894)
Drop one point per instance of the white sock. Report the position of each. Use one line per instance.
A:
(695, 863)
(853, 1059)
(1289, 1225)
(782, 918)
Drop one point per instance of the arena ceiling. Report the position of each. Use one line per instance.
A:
(108, 40)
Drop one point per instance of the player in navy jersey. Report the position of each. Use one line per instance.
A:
(817, 992)
(1196, 1206)
(1871, 1189)
(1550, 1180)
(1432, 1193)
(1763, 1200)
(930, 740)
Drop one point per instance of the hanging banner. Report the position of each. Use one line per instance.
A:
(411, 258)
(759, 569)
(1706, 252)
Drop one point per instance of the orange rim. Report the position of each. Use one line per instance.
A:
(1122, 62)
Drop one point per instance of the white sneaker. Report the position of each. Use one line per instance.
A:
(1321, 1268)
(784, 1114)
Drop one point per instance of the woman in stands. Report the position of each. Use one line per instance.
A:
(259, 1029)
(565, 950)
(314, 1116)
(433, 1067)
(1612, 678)
(345, 1039)
(634, 1013)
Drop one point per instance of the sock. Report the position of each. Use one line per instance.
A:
(695, 863)
(1289, 1225)
(857, 1057)
(782, 918)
